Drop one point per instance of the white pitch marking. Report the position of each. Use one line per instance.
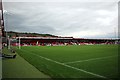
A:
(71, 66)
(89, 59)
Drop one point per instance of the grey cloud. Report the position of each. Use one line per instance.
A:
(62, 18)
(18, 24)
(108, 35)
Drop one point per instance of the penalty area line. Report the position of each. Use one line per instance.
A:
(89, 60)
(97, 75)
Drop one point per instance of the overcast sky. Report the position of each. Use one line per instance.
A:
(77, 19)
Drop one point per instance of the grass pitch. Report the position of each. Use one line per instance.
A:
(86, 61)
(13, 69)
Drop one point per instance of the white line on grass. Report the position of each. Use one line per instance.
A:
(89, 59)
(97, 75)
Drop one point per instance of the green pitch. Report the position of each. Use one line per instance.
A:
(18, 68)
(85, 61)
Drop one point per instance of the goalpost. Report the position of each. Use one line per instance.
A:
(17, 42)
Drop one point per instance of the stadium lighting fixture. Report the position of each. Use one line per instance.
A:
(8, 42)
(5, 12)
(19, 43)
(7, 37)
